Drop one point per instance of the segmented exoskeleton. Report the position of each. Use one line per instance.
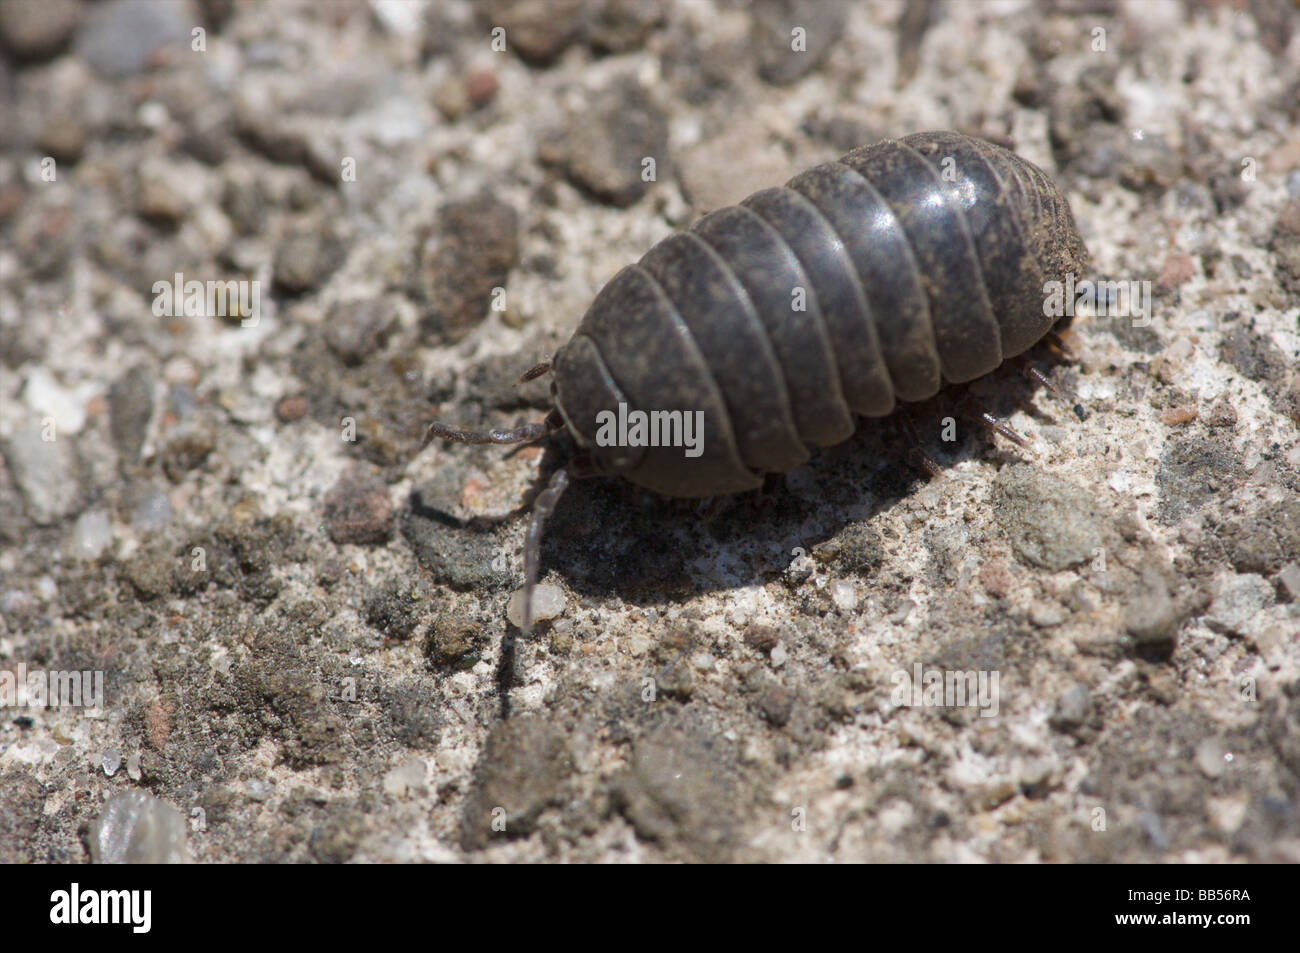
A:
(877, 278)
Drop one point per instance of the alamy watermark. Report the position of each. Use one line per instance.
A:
(656, 428)
(76, 906)
(1114, 299)
(944, 688)
(51, 689)
(208, 299)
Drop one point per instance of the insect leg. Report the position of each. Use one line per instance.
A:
(997, 426)
(1060, 346)
(542, 509)
(1056, 340)
(535, 372)
(1038, 377)
(916, 454)
(993, 424)
(529, 432)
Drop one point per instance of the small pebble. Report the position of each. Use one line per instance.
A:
(405, 777)
(1071, 708)
(18, 607)
(902, 612)
(36, 30)
(452, 98)
(548, 603)
(761, 638)
(776, 703)
(291, 408)
(120, 37)
(710, 177)
(468, 255)
(137, 828)
(1148, 161)
(358, 509)
(481, 87)
(1227, 813)
(844, 595)
(1237, 601)
(1045, 615)
(1211, 758)
(48, 397)
(1150, 612)
(356, 329)
(153, 512)
(111, 761)
(46, 474)
(779, 62)
(399, 17)
(1174, 416)
(130, 406)
(620, 26)
(800, 569)
(259, 790)
(165, 192)
(537, 32)
(92, 535)
(1154, 828)
(304, 259)
(1289, 578)
(703, 661)
(1051, 523)
(603, 147)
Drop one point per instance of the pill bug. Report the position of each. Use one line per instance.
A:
(877, 278)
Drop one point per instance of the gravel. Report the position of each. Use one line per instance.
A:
(304, 618)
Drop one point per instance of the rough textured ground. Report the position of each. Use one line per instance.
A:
(301, 619)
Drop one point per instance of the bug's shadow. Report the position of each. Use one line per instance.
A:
(609, 538)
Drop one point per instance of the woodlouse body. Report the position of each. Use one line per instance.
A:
(917, 262)
(876, 278)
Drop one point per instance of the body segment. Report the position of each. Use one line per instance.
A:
(873, 279)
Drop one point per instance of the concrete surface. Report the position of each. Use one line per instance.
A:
(301, 619)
